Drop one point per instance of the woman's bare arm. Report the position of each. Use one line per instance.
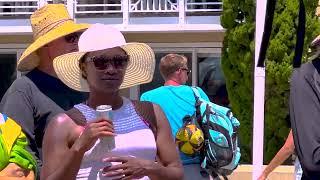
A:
(65, 144)
(286, 150)
(170, 166)
(60, 160)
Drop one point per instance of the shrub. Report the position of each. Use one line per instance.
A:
(238, 18)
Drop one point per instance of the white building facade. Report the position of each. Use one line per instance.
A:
(189, 27)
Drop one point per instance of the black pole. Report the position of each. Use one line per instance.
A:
(268, 28)
(271, 4)
(300, 36)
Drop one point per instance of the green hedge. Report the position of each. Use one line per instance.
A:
(237, 63)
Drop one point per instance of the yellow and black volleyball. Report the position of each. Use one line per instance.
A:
(189, 139)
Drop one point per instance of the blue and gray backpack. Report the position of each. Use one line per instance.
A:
(220, 154)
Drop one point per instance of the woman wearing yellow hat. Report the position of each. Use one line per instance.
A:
(124, 145)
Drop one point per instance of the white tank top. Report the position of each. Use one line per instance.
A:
(133, 138)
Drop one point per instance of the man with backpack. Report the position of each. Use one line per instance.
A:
(178, 101)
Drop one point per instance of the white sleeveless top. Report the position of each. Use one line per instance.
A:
(133, 138)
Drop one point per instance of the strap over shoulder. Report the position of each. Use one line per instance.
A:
(76, 116)
(146, 111)
(196, 91)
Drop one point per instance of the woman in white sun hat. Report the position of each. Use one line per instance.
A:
(143, 149)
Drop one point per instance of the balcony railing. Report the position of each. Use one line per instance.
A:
(23, 8)
(17, 8)
(153, 6)
(204, 6)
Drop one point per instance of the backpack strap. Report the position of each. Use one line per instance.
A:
(197, 105)
(300, 35)
(205, 128)
(76, 116)
(268, 29)
(196, 92)
(146, 111)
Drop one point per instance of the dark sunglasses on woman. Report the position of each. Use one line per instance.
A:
(118, 62)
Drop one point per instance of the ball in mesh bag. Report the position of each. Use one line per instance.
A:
(189, 139)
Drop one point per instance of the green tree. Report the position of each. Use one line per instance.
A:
(238, 18)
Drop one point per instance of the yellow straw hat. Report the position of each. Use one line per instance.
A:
(48, 24)
(97, 37)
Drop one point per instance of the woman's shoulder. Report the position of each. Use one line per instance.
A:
(63, 125)
(61, 119)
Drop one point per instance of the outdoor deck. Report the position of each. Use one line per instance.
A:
(244, 172)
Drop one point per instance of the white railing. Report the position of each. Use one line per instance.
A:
(20, 7)
(26, 7)
(204, 5)
(153, 6)
(98, 6)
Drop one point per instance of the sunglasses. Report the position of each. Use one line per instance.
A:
(118, 62)
(72, 38)
(187, 70)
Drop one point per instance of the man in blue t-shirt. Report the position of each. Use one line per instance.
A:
(177, 100)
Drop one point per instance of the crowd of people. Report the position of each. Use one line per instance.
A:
(72, 69)
(49, 125)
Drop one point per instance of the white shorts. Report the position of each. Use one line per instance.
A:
(297, 169)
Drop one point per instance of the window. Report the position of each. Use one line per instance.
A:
(211, 78)
(8, 73)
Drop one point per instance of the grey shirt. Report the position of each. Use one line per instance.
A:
(32, 102)
(305, 116)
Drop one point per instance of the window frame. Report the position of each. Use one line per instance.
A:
(17, 49)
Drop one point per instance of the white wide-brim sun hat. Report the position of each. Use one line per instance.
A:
(97, 37)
